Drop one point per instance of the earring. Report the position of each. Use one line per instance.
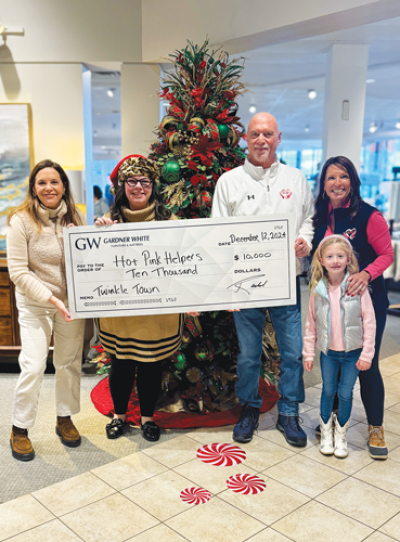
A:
(324, 196)
(351, 192)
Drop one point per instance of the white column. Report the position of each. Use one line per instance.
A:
(344, 101)
(140, 85)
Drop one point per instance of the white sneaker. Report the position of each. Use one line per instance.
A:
(326, 444)
(341, 439)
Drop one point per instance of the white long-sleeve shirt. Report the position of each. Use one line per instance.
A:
(250, 191)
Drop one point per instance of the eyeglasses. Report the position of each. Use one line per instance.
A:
(144, 183)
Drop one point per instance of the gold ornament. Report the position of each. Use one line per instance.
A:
(193, 374)
(168, 123)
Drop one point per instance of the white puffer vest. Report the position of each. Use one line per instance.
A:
(351, 317)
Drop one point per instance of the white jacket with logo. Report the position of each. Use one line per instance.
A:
(250, 191)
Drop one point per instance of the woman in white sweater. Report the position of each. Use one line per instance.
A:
(36, 265)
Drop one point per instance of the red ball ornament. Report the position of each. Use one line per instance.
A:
(206, 198)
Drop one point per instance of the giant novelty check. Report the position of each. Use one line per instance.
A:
(180, 266)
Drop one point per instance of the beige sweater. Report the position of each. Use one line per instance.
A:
(36, 258)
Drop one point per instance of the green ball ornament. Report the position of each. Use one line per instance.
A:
(170, 171)
(181, 362)
(223, 130)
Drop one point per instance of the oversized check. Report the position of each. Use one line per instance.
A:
(179, 266)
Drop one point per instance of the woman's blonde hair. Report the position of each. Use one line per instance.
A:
(31, 202)
(318, 272)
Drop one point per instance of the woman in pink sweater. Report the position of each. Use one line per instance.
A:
(343, 327)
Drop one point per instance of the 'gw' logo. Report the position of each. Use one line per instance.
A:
(82, 243)
(251, 197)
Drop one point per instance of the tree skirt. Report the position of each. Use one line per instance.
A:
(102, 401)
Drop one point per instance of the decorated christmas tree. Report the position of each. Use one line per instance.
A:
(197, 141)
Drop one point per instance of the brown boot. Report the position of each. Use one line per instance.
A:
(376, 442)
(21, 446)
(67, 431)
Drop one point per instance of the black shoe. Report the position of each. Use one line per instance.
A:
(115, 429)
(247, 424)
(293, 433)
(150, 431)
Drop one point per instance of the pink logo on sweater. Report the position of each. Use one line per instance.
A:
(350, 234)
(285, 193)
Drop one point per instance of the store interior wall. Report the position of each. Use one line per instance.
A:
(55, 94)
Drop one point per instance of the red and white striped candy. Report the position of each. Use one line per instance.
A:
(195, 495)
(221, 455)
(247, 484)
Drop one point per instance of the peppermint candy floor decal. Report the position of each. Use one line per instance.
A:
(221, 455)
(247, 484)
(195, 495)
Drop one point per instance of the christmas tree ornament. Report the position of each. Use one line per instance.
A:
(204, 351)
(173, 140)
(211, 108)
(169, 124)
(196, 124)
(206, 198)
(193, 374)
(180, 361)
(187, 337)
(223, 130)
(170, 171)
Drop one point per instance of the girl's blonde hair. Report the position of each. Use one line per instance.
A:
(318, 272)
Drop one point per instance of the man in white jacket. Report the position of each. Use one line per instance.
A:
(264, 186)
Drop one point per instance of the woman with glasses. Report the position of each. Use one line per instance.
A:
(137, 342)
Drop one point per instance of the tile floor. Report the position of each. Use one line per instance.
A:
(308, 497)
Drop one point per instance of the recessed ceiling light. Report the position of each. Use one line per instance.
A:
(373, 128)
(252, 109)
(369, 81)
(110, 92)
(312, 94)
(307, 129)
(398, 124)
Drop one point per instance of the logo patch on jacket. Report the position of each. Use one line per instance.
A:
(350, 234)
(285, 193)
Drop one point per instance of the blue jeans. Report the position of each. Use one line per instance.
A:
(330, 365)
(287, 325)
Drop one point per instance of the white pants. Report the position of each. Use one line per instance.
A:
(37, 321)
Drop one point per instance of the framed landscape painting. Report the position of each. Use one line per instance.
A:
(16, 155)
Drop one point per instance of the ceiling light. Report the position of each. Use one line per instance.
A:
(252, 109)
(312, 94)
(398, 124)
(110, 92)
(307, 129)
(373, 128)
(369, 81)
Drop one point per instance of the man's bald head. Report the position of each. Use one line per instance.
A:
(263, 138)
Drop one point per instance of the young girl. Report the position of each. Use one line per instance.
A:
(343, 327)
